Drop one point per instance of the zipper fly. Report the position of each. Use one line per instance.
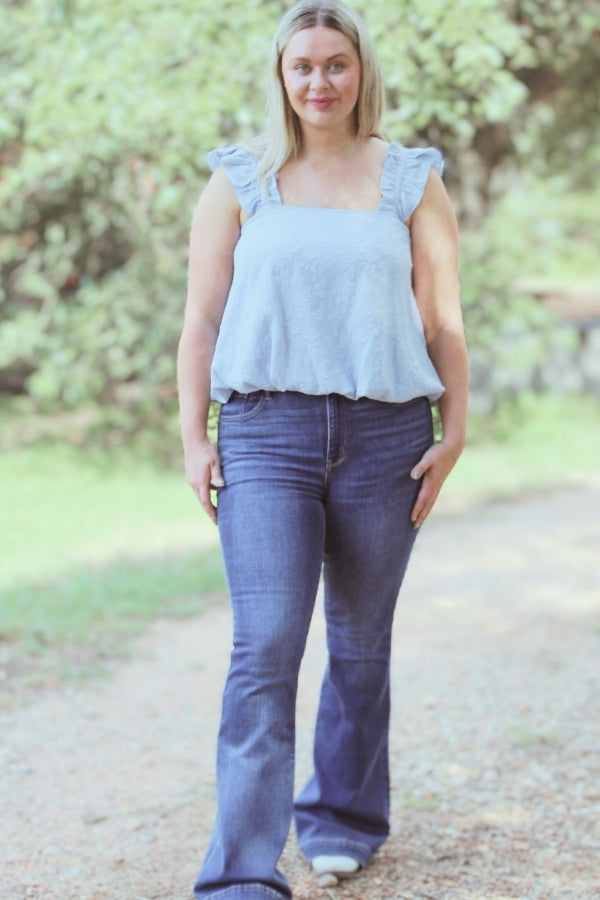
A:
(336, 431)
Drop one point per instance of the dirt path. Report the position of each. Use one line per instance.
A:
(107, 790)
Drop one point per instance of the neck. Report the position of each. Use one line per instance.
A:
(321, 144)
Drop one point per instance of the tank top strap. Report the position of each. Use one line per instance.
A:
(405, 175)
(240, 166)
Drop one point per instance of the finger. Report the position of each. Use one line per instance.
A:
(422, 467)
(419, 501)
(417, 509)
(425, 501)
(419, 470)
(216, 476)
(429, 501)
(206, 502)
(422, 515)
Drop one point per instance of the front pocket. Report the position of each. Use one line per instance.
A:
(242, 406)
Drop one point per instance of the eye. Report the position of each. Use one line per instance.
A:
(337, 66)
(302, 67)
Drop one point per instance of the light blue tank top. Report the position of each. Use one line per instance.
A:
(321, 300)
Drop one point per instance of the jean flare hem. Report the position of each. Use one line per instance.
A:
(249, 891)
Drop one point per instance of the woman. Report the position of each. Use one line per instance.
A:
(323, 314)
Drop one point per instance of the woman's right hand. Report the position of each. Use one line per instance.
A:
(203, 471)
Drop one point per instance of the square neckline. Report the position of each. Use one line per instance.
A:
(350, 209)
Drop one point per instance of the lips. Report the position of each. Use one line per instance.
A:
(321, 102)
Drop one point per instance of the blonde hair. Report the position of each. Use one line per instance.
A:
(282, 137)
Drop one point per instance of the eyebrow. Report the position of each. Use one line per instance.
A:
(329, 58)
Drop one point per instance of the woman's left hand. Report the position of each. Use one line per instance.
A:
(434, 467)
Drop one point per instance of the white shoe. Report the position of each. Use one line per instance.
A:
(338, 866)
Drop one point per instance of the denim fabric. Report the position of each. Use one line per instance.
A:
(312, 482)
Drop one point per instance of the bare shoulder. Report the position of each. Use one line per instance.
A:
(377, 151)
(218, 198)
(378, 146)
(435, 205)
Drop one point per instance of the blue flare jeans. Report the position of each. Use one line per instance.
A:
(312, 483)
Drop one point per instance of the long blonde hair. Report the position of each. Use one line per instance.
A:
(282, 137)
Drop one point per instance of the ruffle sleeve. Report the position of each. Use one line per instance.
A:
(239, 165)
(406, 176)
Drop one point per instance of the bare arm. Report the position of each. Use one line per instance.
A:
(434, 239)
(214, 234)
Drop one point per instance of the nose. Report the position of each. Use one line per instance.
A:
(319, 79)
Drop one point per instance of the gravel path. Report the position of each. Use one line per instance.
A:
(107, 791)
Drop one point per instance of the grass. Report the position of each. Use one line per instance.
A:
(104, 598)
(62, 507)
(534, 445)
(96, 545)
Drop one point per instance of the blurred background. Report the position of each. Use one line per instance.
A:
(107, 111)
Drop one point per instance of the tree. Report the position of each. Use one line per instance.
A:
(107, 111)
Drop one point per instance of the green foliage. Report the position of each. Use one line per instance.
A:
(508, 331)
(562, 129)
(537, 236)
(448, 66)
(557, 228)
(107, 111)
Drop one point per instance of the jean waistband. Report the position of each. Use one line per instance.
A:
(300, 398)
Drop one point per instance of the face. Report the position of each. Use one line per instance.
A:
(321, 76)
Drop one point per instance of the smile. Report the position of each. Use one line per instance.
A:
(322, 102)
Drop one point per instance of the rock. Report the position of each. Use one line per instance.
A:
(327, 880)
